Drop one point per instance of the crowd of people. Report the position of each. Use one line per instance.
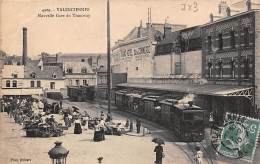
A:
(26, 110)
(35, 115)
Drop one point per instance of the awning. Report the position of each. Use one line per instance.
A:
(202, 89)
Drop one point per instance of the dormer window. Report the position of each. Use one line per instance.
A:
(84, 70)
(54, 76)
(33, 75)
(69, 70)
(15, 76)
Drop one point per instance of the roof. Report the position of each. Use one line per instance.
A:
(170, 38)
(205, 89)
(228, 18)
(193, 32)
(79, 55)
(47, 72)
(142, 31)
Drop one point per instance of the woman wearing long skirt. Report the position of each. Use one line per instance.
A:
(77, 129)
(97, 133)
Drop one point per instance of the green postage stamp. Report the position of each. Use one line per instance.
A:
(239, 137)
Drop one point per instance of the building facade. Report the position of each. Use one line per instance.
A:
(31, 79)
(218, 61)
(81, 69)
(134, 55)
(230, 50)
(178, 56)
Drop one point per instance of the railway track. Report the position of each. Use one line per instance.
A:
(206, 155)
(190, 153)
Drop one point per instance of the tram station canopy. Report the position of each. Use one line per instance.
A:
(200, 89)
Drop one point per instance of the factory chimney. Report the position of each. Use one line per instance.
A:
(24, 58)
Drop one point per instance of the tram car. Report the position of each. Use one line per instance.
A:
(135, 103)
(120, 99)
(81, 93)
(187, 121)
(167, 106)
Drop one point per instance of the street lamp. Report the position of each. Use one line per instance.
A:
(58, 154)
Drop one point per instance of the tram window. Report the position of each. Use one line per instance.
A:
(188, 116)
(197, 116)
(193, 116)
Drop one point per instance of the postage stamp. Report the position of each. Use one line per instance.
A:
(239, 137)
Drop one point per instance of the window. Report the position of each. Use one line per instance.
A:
(52, 85)
(15, 76)
(70, 82)
(209, 43)
(7, 83)
(246, 36)
(54, 76)
(33, 75)
(209, 69)
(14, 83)
(246, 68)
(69, 70)
(82, 60)
(136, 68)
(233, 67)
(232, 39)
(220, 41)
(84, 70)
(220, 72)
(32, 83)
(77, 82)
(85, 82)
(38, 84)
(177, 68)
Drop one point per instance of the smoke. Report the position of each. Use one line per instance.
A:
(187, 98)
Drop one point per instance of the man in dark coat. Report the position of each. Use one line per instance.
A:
(138, 125)
(159, 154)
(60, 104)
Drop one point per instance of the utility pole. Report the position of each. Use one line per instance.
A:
(108, 57)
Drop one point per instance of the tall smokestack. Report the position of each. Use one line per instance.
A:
(24, 59)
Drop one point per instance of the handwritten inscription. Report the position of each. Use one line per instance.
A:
(190, 6)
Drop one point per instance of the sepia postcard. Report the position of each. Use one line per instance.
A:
(129, 81)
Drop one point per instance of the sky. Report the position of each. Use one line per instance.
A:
(88, 34)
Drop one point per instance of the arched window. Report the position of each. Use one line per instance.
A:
(220, 64)
(233, 67)
(220, 41)
(232, 39)
(14, 83)
(246, 68)
(209, 69)
(246, 36)
(7, 83)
